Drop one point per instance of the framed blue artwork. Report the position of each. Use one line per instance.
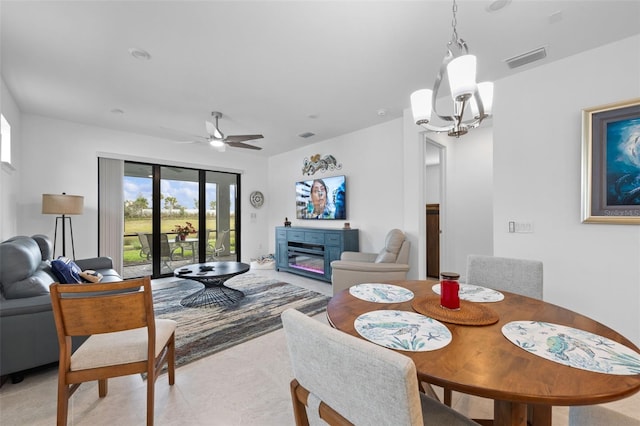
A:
(611, 163)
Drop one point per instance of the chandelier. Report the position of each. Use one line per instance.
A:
(460, 68)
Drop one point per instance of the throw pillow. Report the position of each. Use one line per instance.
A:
(91, 276)
(66, 270)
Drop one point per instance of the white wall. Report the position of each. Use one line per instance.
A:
(62, 157)
(10, 174)
(372, 162)
(466, 210)
(593, 269)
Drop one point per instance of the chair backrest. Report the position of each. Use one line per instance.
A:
(394, 250)
(145, 248)
(500, 273)
(220, 240)
(86, 309)
(403, 254)
(165, 248)
(364, 383)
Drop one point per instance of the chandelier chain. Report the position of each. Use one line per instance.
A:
(454, 22)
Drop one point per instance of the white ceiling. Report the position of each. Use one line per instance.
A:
(270, 66)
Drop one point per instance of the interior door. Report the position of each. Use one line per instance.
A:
(433, 240)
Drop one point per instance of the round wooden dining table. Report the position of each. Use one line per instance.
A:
(481, 361)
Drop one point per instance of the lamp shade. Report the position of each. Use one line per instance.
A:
(62, 204)
(462, 77)
(485, 89)
(421, 105)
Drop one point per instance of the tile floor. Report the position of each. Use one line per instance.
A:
(244, 385)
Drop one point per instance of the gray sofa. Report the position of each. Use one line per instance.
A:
(27, 329)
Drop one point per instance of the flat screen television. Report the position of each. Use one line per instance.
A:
(322, 198)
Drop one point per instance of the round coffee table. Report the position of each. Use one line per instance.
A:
(212, 275)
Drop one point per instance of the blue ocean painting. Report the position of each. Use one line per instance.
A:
(623, 163)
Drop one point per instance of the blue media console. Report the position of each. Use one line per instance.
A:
(310, 251)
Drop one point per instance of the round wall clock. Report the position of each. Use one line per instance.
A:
(257, 199)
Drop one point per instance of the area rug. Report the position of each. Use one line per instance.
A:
(205, 331)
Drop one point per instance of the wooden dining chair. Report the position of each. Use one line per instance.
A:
(520, 276)
(344, 380)
(125, 338)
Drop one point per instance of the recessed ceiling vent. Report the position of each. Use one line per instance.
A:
(527, 58)
(306, 135)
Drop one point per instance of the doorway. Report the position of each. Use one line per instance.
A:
(434, 204)
(175, 216)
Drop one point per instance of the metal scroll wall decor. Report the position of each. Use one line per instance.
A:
(315, 163)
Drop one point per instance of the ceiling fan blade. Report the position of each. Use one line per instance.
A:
(242, 138)
(241, 145)
(213, 130)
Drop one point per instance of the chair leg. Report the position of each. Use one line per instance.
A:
(103, 388)
(171, 360)
(63, 403)
(299, 409)
(150, 396)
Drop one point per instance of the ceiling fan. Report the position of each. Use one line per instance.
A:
(218, 140)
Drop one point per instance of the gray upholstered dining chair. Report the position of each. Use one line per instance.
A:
(344, 380)
(596, 415)
(519, 276)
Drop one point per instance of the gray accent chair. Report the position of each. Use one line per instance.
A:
(595, 415)
(519, 276)
(392, 263)
(27, 328)
(345, 380)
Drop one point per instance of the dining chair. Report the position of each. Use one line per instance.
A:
(125, 338)
(213, 251)
(519, 276)
(344, 380)
(595, 415)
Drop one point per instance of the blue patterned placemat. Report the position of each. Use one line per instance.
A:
(475, 293)
(573, 347)
(407, 331)
(381, 293)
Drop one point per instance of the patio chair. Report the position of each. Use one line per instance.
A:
(167, 249)
(125, 338)
(344, 380)
(213, 251)
(145, 248)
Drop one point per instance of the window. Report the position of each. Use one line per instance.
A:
(5, 140)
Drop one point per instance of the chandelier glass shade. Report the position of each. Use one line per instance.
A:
(472, 102)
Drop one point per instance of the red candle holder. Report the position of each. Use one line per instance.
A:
(449, 290)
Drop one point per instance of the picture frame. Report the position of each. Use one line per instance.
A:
(611, 163)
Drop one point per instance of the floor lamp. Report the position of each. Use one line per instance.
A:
(63, 205)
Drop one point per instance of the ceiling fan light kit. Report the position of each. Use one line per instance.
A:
(460, 68)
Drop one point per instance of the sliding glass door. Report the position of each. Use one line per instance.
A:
(176, 216)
